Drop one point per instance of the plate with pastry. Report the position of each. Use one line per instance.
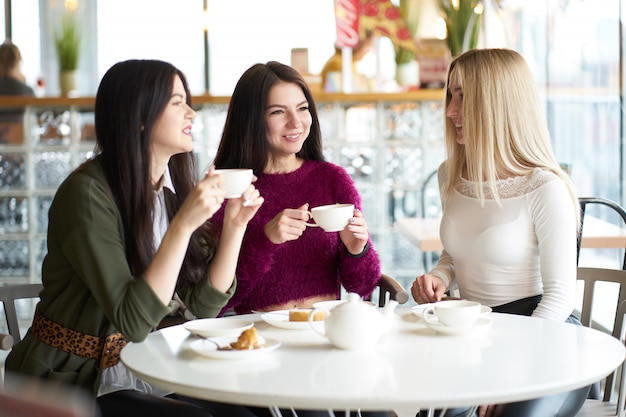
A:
(293, 319)
(222, 327)
(248, 345)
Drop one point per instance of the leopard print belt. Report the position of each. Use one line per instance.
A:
(106, 350)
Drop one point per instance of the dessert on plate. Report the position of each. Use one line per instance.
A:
(302, 314)
(248, 339)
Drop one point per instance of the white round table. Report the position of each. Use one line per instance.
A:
(412, 367)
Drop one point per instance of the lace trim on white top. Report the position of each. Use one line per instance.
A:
(508, 187)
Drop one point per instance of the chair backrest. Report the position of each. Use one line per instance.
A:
(430, 206)
(584, 202)
(590, 277)
(621, 371)
(8, 296)
(390, 289)
(430, 202)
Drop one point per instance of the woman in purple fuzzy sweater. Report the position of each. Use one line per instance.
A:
(272, 127)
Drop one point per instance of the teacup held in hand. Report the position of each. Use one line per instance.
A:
(454, 313)
(333, 217)
(235, 181)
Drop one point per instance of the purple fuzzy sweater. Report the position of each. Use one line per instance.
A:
(315, 264)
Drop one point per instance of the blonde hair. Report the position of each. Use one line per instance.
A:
(504, 125)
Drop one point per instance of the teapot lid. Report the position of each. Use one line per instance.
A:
(353, 303)
(352, 296)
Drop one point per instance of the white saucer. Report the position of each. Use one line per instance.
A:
(280, 319)
(209, 348)
(481, 324)
(217, 327)
(330, 304)
(418, 310)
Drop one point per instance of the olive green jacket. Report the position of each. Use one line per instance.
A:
(88, 285)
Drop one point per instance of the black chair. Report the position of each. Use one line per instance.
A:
(586, 201)
(430, 206)
(390, 289)
(605, 406)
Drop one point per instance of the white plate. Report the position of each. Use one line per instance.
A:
(481, 324)
(280, 318)
(419, 310)
(206, 347)
(217, 327)
(328, 305)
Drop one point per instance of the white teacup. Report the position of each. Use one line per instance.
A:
(235, 181)
(454, 313)
(333, 217)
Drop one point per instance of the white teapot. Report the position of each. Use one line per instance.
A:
(355, 324)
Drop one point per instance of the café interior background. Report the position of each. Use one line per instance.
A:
(572, 46)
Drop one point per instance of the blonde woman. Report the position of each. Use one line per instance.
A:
(510, 213)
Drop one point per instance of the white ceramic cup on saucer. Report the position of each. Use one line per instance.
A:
(332, 217)
(235, 181)
(454, 313)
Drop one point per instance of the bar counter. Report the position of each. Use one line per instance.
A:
(86, 102)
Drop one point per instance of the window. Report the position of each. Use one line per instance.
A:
(174, 31)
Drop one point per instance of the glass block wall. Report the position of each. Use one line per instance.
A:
(38, 149)
(388, 147)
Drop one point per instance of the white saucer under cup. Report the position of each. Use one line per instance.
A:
(454, 313)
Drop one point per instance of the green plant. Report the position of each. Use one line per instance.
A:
(67, 41)
(463, 18)
(410, 11)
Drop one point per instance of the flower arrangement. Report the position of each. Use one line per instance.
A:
(410, 11)
(67, 41)
(383, 18)
(463, 18)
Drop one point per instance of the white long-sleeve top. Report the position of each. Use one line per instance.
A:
(524, 247)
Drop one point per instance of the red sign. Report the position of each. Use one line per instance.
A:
(347, 22)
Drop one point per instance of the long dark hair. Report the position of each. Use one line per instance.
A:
(244, 139)
(131, 97)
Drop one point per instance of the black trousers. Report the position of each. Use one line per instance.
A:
(566, 404)
(135, 403)
(264, 412)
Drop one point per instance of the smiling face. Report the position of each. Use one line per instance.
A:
(172, 130)
(454, 111)
(288, 121)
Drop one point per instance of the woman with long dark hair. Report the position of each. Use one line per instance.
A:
(127, 230)
(272, 127)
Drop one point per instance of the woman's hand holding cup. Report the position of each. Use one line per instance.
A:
(203, 201)
(287, 225)
(241, 210)
(355, 235)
